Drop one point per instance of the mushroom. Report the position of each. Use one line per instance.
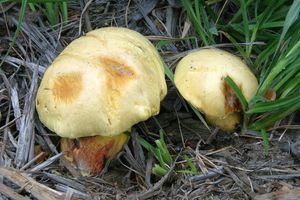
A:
(97, 89)
(199, 77)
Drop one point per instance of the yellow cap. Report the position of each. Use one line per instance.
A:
(199, 78)
(102, 84)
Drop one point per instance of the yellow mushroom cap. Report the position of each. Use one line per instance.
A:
(101, 84)
(199, 77)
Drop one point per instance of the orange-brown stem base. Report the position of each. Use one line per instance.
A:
(89, 154)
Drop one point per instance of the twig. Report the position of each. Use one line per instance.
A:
(126, 13)
(8, 124)
(149, 169)
(210, 174)
(200, 161)
(212, 136)
(26, 129)
(46, 163)
(32, 161)
(37, 190)
(240, 183)
(66, 181)
(7, 191)
(280, 176)
(157, 185)
(81, 15)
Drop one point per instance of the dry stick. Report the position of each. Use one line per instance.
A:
(149, 169)
(46, 163)
(210, 174)
(157, 185)
(8, 124)
(246, 179)
(16, 62)
(87, 19)
(58, 179)
(126, 13)
(26, 129)
(240, 183)
(180, 130)
(131, 160)
(280, 176)
(13, 94)
(212, 136)
(15, 104)
(36, 189)
(207, 161)
(5, 137)
(200, 161)
(8, 192)
(71, 191)
(32, 161)
(138, 150)
(12, 139)
(81, 15)
(51, 146)
(285, 127)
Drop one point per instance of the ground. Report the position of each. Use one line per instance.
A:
(236, 165)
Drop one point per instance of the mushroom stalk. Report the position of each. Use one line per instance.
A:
(89, 154)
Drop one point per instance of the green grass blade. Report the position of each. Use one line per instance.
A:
(245, 24)
(191, 164)
(146, 144)
(274, 105)
(265, 140)
(198, 114)
(164, 147)
(291, 17)
(285, 79)
(187, 5)
(269, 120)
(32, 7)
(240, 49)
(237, 92)
(51, 13)
(291, 55)
(20, 20)
(64, 11)
(291, 86)
(165, 155)
(158, 170)
(168, 72)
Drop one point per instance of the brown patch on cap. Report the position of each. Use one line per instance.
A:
(118, 76)
(270, 94)
(117, 68)
(67, 87)
(232, 103)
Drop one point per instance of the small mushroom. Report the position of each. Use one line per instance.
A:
(199, 77)
(97, 89)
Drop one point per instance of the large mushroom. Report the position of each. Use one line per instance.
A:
(97, 89)
(199, 77)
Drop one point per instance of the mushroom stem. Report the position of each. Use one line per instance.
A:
(89, 154)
